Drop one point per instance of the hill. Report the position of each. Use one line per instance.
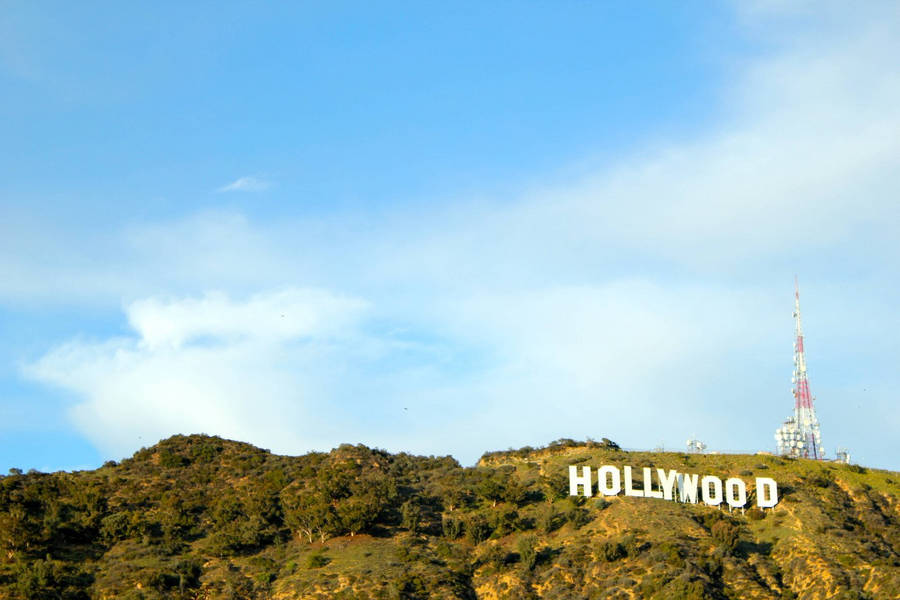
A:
(202, 517)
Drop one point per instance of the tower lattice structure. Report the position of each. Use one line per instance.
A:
(799, 436)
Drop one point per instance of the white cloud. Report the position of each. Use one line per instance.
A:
(246, 184)
(285, 315)
(249, 369)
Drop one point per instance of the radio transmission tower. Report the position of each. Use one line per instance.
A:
(799, 436)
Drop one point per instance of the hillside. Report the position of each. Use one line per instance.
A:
(203, 517)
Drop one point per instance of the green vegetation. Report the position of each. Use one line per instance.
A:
(203, 517)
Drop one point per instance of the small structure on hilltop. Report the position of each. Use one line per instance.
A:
(842, 455)
(695, 446)
(799, 435)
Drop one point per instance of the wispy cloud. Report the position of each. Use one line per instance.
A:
(246, 184)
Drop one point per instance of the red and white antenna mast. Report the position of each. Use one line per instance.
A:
(804, 411)
(799, 436)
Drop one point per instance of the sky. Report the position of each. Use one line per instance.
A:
(445, 228)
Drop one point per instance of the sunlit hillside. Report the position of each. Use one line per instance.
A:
(203, 517)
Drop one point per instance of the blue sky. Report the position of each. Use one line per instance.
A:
(445, 229)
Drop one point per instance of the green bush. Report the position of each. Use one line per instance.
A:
(170, 460)
(609, 551)
(316, 560)
(725, 535)
(494, 555)
(578, 517)
(477, 529)
(756, 513)
(549, 520)
(527, 552)
(602, 503)
(451, 527)
(503, 521)
(633, 546)
(823, 479)
(45, 579)
(411, 516)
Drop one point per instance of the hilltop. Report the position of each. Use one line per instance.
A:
(203, 517)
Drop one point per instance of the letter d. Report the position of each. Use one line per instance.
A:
(766, 492)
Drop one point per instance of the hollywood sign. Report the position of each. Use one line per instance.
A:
(689, 487)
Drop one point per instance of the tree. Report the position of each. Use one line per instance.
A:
(549, 519)
(555, 486)
(357, 513)
(492, 488)
(453, 495)
(451, 527)
(504, 520)
(335, 481)
(411, 514)
(175, 521)
(308, 513)
(527, 551)
(477, 529)
(16, 531)
(514, 492)
(115, 527)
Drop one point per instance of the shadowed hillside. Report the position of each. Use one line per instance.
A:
(203, 517)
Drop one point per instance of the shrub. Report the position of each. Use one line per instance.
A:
(609, 551)
(494, 555)
(633, 546)
(578, 517)
(316, 560)
(725, 534)
(406, 552)
(527, 552)
(504, 520)
(411, 516)
(43, 579)
(549, 519)
(410, 586)
(451, 527)
(555, 487)
(171, 460)
(477, 529)
(115, 527)
(682, 588)
(756, 513)
(822, 479)
(602, 504)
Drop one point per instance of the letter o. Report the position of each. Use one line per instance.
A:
(735, 492)
(714, 497)
(615, 486)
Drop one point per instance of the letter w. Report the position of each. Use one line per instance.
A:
(687, 488)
